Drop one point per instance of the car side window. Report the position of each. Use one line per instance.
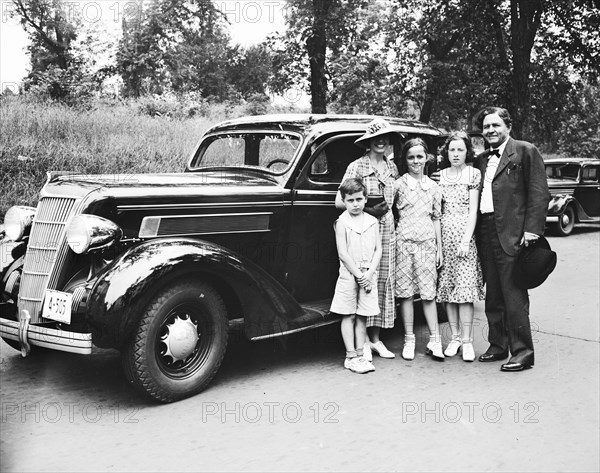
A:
(590, 174)
(332, 159)
(568, 172)
(319, 165)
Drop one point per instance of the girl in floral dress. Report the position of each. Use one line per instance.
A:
(460, 280)
(418, 246)
(378, 174)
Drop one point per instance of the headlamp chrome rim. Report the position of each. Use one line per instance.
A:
(90, 232)
(18, 221)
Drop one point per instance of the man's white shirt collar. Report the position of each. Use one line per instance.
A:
(501, 149)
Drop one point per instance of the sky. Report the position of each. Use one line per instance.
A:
(251, 22)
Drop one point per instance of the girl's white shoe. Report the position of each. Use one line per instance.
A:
(434, 348)
(408, 352)
(453, 346)
(468, 353)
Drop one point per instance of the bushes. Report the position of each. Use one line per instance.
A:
(152, 134)
(109, 138)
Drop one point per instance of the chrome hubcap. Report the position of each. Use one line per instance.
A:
(181, 338)
(565, 220)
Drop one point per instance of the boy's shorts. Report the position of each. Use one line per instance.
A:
(349, 298)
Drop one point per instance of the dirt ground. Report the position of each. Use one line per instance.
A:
(288, 405)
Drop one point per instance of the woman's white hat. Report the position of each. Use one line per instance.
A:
(377, 127)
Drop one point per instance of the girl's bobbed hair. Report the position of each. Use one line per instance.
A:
(411, 144)
(455, 136)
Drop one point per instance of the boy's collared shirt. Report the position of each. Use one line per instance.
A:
(361, 237)
(355, 223)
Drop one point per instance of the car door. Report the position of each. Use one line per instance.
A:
(313, 264)
(588, 192)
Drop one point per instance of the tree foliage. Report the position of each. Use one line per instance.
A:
(316, 30)
(437, 60)
(51, 32)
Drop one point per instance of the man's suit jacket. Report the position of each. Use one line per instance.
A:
(519, 192)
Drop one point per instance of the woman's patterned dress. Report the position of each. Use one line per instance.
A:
(381, 184)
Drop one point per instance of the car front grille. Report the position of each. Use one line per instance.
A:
(47, 253)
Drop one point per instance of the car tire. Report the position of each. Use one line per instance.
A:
(566, 222)
(179, 343)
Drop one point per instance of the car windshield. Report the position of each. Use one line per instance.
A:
(569, 172)
(271, 151)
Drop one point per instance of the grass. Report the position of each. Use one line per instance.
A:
(110, 137)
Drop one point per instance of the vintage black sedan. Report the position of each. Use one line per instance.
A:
(161, 266)
(575, 192)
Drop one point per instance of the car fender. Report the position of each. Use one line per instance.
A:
(558, 203)
(123, 289)
(11, 258)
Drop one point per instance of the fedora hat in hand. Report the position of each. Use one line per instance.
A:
(377, 127)
(534, 264)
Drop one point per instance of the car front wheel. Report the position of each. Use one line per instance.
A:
(179, 342)
(566, 222)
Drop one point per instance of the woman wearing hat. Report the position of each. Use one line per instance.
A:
(378, 174)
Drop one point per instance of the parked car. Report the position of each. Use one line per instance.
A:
(575, 192)
(161, 266)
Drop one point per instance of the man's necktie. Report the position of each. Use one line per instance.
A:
(494, 152)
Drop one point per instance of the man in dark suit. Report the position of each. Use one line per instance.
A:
(513, 207)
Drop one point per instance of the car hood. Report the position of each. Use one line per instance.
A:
(144, 186)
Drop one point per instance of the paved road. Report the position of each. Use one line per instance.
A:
(288, 405)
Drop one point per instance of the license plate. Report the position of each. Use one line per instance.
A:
(57, 306)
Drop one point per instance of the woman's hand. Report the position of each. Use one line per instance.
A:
(439, 258)
(378, 210)
(463, 248)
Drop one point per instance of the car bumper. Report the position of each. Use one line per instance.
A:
(47, 337)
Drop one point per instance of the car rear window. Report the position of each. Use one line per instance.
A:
(568, 172)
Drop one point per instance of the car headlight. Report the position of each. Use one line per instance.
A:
(90, 232)
(17, 222)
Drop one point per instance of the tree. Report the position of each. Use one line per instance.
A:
(525, 21)
(50, 31)
(62, 59)
(320, 27)
(249, 69)
(175, 45)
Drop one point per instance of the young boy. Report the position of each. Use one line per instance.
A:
(359, 250)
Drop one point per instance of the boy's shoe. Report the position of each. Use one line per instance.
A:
(366, 365)
(434, 348)
(367, 353)
(453, 347)
(381, 350)
(358, 365)
(408, 352)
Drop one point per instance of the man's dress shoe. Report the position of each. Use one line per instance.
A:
(516, 366)
(493, 357)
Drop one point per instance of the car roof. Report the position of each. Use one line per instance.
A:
(592, 161)
(322, 123)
